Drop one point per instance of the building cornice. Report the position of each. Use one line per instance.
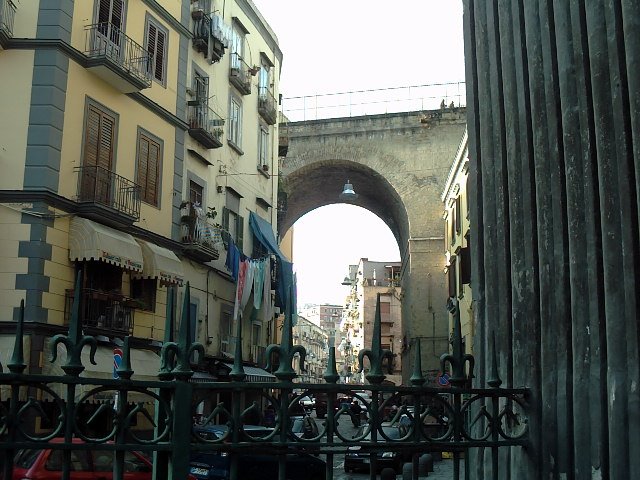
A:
(71, 207)
(81, 59)
(251, 11)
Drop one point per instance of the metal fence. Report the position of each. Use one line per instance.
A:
(71, 413)
(375, 101)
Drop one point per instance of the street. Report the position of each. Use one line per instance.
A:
(443, 470)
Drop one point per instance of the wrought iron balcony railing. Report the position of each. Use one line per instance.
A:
(267, 106)
(240, 74)
(206, 126)
(198, 235)
(99, 186)
(7, 14)
(102, 311)
(208, 32)
(111, 52)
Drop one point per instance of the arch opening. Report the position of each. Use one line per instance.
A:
(321, 184)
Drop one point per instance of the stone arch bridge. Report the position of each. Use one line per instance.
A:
(398, 164)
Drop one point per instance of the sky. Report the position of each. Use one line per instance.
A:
(333, 46)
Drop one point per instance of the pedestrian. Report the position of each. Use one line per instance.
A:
(355, 409)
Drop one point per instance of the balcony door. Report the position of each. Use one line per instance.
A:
(97, 159)
(109, 31)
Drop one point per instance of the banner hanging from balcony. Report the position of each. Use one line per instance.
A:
(90, 240)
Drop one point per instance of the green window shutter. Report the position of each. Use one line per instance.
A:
(225, 226)
(240, 230)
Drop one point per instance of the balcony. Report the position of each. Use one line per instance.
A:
(240, 74)
(198, 235)
(117, 59)
(103, 195)
(102, 312)
(205, 126)
(267, 106)
(7, 14)
(208, 30)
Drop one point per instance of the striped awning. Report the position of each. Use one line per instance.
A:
(90, 240)
(161, 263)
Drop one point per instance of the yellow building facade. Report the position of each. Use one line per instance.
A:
(138, 140)
(458, 242)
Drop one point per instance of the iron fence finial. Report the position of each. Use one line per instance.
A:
(376, 354)
(75, 341)
(286, 351)
(458, 360)
(16, 364)
(183, 348)
(494, 380)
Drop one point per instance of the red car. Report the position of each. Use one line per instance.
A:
(46, 464)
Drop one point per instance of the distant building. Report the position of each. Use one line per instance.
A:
(315, 341)
(327, 317)
(366, 280)
(457, 242)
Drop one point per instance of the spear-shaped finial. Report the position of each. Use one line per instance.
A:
(494, 381)
(331, 372)
(183, 349)
(16, 364)
(376, 354)
(286, 350)
(237, 372)
(458, 359)
(168, 362)
(75, 341)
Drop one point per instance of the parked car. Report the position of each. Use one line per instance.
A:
(46, 464)
(307, 402)
(215, 465)
(357, 459)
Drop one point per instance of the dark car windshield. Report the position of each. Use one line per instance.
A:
(25, 458)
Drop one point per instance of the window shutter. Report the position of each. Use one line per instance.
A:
(225, 226)
(99, 138)
(458, 214)
(152, 33)
(143, 158)
(107, 133)
(92, 137)
(452, 277)
(159, 65)
(117, 13)
(148, 169)
(465, 265)
(240, 232)
(153, 173)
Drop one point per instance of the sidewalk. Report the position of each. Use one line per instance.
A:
(443, 470)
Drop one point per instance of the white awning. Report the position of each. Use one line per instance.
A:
(161, 263)
(255, 374)
(90, 240)
(144, 363)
